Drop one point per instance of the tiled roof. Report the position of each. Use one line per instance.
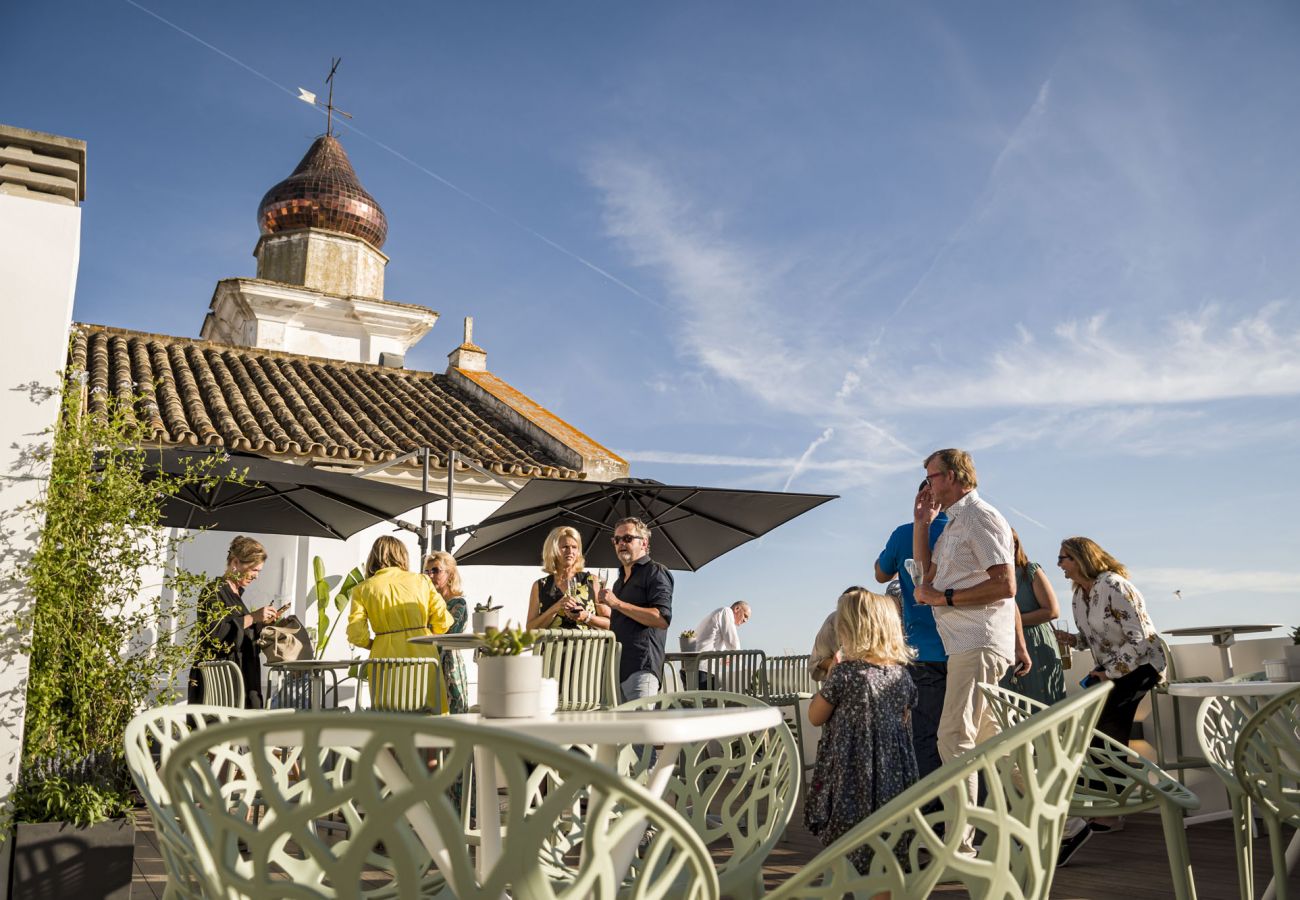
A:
(199, 393)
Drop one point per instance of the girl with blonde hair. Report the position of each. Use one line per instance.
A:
(566, 597)
(865, 756)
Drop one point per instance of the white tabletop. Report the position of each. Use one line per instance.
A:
(603, 727)
(464, 640)
(1208, 630)
(1232, 688)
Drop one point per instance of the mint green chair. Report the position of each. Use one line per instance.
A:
(584, 662)
(789, 684)
(1178, 760)
(1218, 723)
(737, 795)
(1030, 769)
(405, 839)
(732, 672)
(150, 738)
(222, 683)
(1116, 781)
(1266, 762)
(403, 684)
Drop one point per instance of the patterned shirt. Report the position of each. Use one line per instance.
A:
(1114, 625)
(976, 539)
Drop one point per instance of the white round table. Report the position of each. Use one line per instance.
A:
(1223, 637)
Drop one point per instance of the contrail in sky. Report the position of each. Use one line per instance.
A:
(406, 159)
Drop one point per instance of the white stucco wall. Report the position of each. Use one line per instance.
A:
(40, 244)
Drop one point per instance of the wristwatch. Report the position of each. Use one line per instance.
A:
(947, 595)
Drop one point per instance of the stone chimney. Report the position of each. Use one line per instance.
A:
(468, 355)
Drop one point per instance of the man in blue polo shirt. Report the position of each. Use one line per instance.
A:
(930, 670)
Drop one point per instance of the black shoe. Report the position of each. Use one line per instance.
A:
(1071, 845)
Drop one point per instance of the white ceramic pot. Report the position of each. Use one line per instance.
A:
(509, 687)
(687, 644)
(1292, 655)
(482, 621)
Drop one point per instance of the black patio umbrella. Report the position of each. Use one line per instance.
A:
(690, 526)
(276, 497)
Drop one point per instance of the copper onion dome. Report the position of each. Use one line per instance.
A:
(323, 192)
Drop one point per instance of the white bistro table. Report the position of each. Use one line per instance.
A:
(1250, 696)
(1221, 636)
(610, 731)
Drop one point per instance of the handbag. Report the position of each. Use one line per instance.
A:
(285, 641)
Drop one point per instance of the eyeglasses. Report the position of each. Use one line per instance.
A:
(933, 475)
(432, 570)
(1062, 558)
(626, 538)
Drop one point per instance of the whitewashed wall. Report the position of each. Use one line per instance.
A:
(40, 244)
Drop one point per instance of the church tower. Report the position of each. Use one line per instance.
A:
(319, 288)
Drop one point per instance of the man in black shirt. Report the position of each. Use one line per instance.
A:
(641, 604)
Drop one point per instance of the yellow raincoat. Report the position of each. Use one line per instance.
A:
(396, 605)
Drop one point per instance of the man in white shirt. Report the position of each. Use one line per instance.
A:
(718, 631)
(971, 585)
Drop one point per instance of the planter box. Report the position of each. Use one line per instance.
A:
(509, 687)
(55, 859)
(482, 621)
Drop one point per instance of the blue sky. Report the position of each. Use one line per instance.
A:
(777, 245)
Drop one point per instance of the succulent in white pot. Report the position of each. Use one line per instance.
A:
(485, 616)
(509, 675)
(687, 641)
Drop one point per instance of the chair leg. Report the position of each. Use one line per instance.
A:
(1180, 858)
(1241, 839)
(1277, 847)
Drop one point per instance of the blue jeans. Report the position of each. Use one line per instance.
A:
(639, 684)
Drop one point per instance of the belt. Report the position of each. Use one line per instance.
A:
(400, 630)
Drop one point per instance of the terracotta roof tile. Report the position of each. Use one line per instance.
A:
(200, 393)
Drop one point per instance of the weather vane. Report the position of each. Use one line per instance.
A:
(331, 110)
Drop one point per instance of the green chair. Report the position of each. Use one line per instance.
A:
(1266, 762)
(1030, 769)
(733, 672)
(737, 795)
(584, 662)
(222, 683)
(150, 738)
(290, 688)
(1218, 723)
(405, 839)
(789, 684)
(406, 684)
(1179, 761)
(1115, 781)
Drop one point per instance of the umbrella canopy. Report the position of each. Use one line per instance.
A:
(690, 525)
(275, 497)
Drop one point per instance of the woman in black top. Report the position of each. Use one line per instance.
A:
(232, 629)
(566, 597)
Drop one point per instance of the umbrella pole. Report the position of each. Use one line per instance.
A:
(451, 496)
(424, 508)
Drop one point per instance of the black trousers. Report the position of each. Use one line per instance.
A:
(931, 680)
(1116, 721)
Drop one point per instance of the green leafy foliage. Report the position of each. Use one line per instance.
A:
(486, 607)
(102, 643)
(329, 614)
(506, 641)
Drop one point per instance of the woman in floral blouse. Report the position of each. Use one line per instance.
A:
(1114, 625)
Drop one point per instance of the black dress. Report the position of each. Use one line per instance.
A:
(229, 640)
(584, 591)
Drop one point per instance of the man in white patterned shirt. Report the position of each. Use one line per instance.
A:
(971, 584)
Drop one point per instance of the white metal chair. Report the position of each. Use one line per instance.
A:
(738, 795)
(405, 840)
(1031, 770)
(404, 684)
(290, 688)
(1266, 763)
(222, 683)
(584, 662)
(732, 672)
(788, 685)
(1178, 761)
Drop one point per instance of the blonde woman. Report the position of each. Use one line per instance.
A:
(396, 604)
(865, 757)
(566, 597)
(440, 568)
(233, 630)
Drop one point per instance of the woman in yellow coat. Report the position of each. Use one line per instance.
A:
(395, 604)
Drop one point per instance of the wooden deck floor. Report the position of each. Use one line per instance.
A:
(1130, 865)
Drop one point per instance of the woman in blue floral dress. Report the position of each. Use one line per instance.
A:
(865, 757)
(441, 568)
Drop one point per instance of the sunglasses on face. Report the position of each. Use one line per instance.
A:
(432, 570)
(626, 538)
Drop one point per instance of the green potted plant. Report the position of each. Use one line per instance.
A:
(485, 616)
(102, 644)
(687, 640)
(509, 679)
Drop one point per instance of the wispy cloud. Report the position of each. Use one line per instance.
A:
(1194, 583)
